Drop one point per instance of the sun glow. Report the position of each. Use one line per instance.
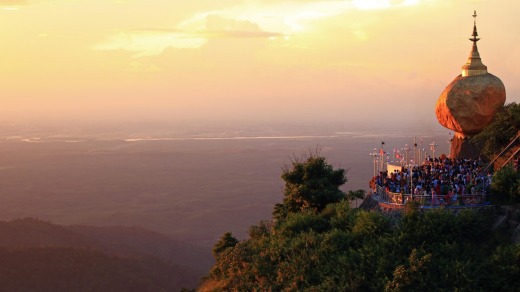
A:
(220, 58)
(251, 19)
(382, 4)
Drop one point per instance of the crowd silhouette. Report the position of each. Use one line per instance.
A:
(442, 179)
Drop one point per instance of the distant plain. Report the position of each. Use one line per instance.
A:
(191, 187)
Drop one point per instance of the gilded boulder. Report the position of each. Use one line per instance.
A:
(468, 104)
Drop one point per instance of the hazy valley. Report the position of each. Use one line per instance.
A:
(190, 187)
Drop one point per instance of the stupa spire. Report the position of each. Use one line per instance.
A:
(475, 38)
(474, 65)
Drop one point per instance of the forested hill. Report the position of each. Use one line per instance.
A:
(39, 255)
(316, 242)
(77, 269)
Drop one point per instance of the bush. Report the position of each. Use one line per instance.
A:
(505, 185)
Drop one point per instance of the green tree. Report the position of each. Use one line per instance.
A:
(413, 275)
(506, 268)
(355, 195)
(500, 132)
(321, 244)
(506, 184)
(226, 241)
(309, 186)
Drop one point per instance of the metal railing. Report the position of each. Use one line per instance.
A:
(430, 200)
(510, 158)
(501, 153)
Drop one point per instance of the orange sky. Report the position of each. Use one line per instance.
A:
(245, 60)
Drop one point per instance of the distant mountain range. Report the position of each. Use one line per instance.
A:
(41, 256)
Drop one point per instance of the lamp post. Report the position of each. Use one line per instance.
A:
(375, 158)
(411, 177)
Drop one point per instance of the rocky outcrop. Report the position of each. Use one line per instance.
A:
(468, 104)
(370, 203)
(463, 148)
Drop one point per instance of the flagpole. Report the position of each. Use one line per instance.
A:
(382, 153)
(411, 179)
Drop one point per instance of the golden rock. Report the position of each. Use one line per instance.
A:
(468, 104)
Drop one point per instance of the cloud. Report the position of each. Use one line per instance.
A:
(252, 19)
(12, 5)
(149, 42)
(220, 27)
(382, 4)
(289, 17)
(12, 2)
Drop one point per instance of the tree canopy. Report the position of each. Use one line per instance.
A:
(310, 185)
(493, 139)
(500, 132)
(226, 241)
(322, 244)
(344, 249)
(505, 186)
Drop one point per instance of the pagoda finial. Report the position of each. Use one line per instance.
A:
(475, 38)
(474, 64)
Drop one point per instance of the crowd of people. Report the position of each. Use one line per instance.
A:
(444, 177)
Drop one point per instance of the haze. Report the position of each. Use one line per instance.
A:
(177, 115)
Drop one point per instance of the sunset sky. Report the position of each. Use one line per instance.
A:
(345, 61)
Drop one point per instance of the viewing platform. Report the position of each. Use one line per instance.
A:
(430, 182)
(392, 201)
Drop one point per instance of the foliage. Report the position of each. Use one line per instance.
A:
(336, 248)
(344, 249)
(506, 268)
(500, 132)
(310, 184)
(226, 241)
(355, 195)
(413, 275)
(506, 185)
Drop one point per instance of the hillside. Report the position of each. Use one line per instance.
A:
(319, 243)
(130, 240)
(75, 269)
(95, 256)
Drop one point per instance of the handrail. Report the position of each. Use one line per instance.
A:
(501, 153)
(428, 200)
(514, 154)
